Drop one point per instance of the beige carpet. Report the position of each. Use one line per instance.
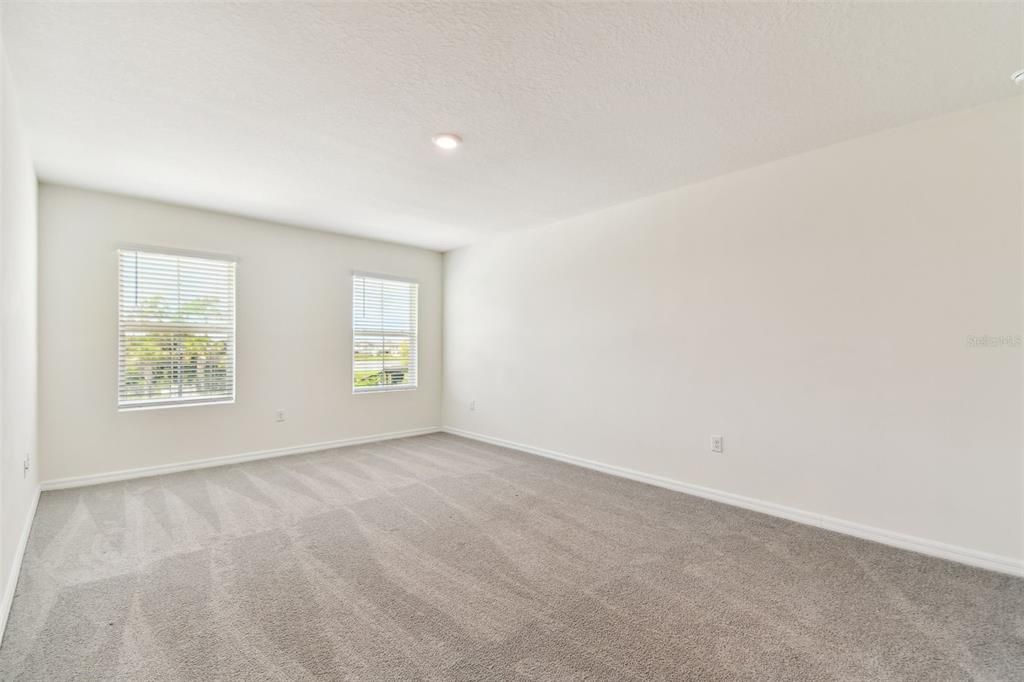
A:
(442, 558)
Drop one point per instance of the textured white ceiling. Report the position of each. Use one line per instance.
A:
(321, 115)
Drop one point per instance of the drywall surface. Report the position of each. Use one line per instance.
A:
(18, 348)
(294, 337)
(848, 319)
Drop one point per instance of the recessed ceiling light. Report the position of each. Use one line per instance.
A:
(1018, 77)
(447, 141)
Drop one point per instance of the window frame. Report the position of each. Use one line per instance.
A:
(385, 388)
(143, 406)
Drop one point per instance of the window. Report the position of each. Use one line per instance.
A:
(383, 334)
(176, 329)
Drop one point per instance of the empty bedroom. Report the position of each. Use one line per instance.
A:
(511, 341)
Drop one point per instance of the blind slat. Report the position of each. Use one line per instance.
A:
(176, 329)
(384, 334)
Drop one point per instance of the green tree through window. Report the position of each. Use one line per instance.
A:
(176, 329)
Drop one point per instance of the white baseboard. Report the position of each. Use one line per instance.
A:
(19, 554)
(963, 555)
(141, 472)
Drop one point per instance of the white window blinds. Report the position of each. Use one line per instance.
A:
(176, 329)
(383, 334)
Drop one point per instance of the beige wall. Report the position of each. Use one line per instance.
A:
(18, 349)
(815, 311)
(293, 332)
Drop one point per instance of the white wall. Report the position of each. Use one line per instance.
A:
(293, 332)
(815, 311)
(18, 489)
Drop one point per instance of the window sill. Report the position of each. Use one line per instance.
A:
(378, 389)
(144, 407)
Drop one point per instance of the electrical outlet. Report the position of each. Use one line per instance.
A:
(472, 406)
(279, 415)
(716, 444)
